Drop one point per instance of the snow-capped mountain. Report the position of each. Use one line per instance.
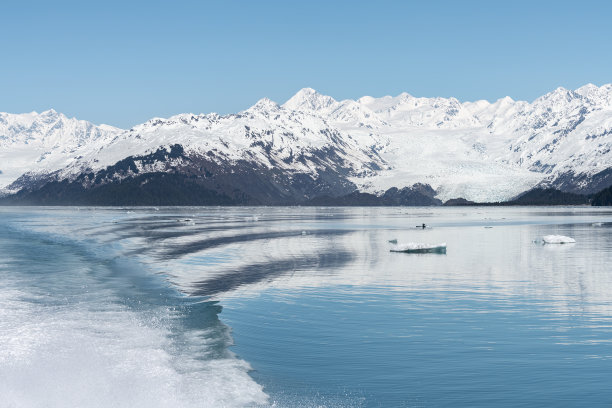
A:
(43, 142)
(313, 145)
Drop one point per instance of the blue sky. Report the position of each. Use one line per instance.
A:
(121, 63)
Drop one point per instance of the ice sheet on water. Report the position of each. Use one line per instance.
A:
(420, 248)
(555, 239)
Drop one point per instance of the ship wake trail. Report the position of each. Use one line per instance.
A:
(91, 331)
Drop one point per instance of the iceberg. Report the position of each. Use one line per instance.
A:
(557, 239)
(418, 248)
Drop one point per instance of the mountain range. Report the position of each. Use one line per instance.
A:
(314, 149)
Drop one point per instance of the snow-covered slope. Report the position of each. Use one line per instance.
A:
(265, 134)
(479, 150)
(44, 142)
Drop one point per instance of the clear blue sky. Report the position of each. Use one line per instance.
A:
(121, 62)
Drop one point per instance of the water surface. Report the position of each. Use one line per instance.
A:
(292, 307)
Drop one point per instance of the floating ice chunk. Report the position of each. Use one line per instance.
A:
(418, 248)
(557, 239)
(597, 224)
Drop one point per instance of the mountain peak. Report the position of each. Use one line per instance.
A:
(596, 94)
(404, 96)
(559, 96)
(308, 98)
(265, 104)
(49, 112)
(505, 100)
(587, 87)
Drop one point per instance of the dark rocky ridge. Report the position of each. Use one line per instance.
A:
(534, 197)
(550, 196)
(604, 197)
(417, 195)
(457, 202)
(581, 184)
(170, 176)
(182, 179)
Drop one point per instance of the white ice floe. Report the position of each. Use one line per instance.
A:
(557, 239)
(419, 248)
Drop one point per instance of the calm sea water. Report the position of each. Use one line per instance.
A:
(304, 307)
